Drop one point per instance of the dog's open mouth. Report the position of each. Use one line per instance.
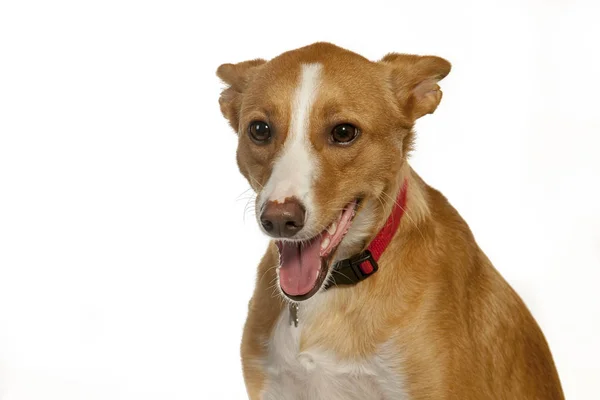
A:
(304, 265)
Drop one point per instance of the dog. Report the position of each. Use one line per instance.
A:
(373, 286)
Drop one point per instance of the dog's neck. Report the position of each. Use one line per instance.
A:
(408, 202)
(417, 203)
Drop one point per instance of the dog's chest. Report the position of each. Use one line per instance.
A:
(316, 373)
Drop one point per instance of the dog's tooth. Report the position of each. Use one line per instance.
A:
(332, 228)
(325, 243)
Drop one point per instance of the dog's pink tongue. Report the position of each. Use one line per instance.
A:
(300, 266)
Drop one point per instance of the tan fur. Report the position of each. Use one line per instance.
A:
(461, 330)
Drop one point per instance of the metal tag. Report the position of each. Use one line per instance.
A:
(294, 314)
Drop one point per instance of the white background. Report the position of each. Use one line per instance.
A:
(125, 260)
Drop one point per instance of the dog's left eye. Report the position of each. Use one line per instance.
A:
(259, 132)
(344, 133)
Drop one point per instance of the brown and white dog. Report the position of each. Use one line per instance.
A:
(324, 137)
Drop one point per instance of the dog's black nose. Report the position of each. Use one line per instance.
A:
(283, 219)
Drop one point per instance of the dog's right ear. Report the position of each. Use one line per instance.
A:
(236, 76)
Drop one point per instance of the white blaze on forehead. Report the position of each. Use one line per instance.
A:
(294, 170)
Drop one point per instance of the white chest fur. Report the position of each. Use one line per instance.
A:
(317, 374)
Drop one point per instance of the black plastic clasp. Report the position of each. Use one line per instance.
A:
(349, 271)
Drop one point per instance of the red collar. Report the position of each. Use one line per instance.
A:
(359, 267)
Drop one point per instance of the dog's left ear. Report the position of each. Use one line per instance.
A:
(415, 80)
(236, 77)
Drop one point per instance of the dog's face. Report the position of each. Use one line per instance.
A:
(323, 133)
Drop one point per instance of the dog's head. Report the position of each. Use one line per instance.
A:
(323, 134)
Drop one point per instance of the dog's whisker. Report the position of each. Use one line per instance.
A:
(250, 207)
(267, 271)
(256, 181)
(407, 214)
(333, 270)
(245, 193)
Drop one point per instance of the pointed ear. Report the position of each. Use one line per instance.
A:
(236, 77)
(415, 81)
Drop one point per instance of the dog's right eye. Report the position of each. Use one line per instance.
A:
(259, 132)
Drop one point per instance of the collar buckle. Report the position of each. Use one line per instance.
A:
(353, 269)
